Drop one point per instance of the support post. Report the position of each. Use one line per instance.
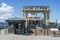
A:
(46, 20)
(35, 32)
(26, 22)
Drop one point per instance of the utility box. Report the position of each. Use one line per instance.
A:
(4, 31)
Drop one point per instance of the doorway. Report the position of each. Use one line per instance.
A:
(19, 28)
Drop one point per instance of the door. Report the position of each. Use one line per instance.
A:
(18, 29)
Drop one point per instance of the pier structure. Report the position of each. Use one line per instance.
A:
(32, 11)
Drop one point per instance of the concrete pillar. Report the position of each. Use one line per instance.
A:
(26, 21)
(46, 18)
(35, 32)
(46, 21)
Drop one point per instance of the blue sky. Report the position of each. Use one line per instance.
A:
(18, 6)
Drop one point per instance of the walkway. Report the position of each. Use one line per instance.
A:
(21, 37)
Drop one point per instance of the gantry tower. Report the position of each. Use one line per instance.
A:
(37, 9)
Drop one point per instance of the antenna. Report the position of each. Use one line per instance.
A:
(56, 23)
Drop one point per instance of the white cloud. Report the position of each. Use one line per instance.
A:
(6, 11)
(5, 16)
(6, 8)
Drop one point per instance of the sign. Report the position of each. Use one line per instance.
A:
(36, 8)
(54, 29)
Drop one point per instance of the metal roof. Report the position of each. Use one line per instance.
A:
(15, 19)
